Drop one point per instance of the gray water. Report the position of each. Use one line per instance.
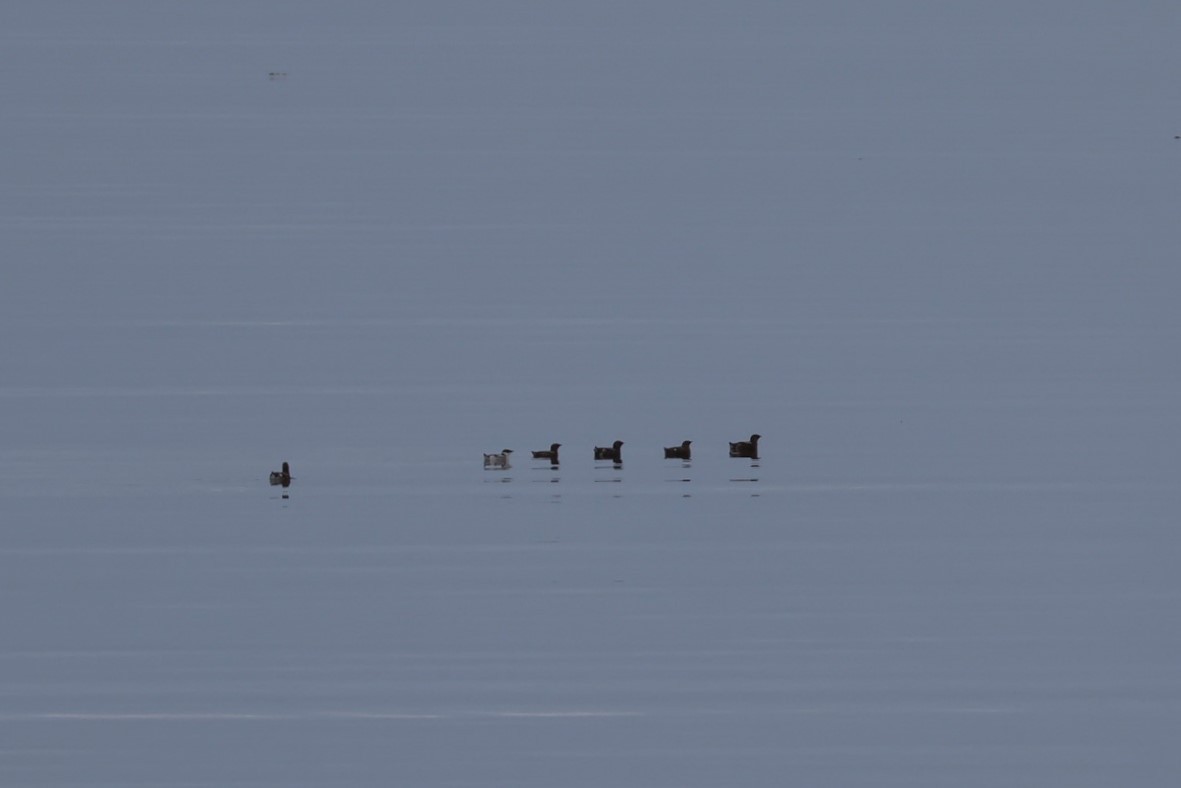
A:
(927, 252)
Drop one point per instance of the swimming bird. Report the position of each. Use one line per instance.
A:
(282, 477)
(551, 455)
(681, 452)
(614, 454)
(746, 448)
(497, 460)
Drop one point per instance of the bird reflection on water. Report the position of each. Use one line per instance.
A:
(753, 478)
(684, 467)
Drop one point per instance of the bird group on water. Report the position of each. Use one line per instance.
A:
(612, 453)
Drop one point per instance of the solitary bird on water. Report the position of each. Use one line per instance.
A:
(282, 477)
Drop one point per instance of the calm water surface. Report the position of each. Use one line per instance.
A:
(931, 262)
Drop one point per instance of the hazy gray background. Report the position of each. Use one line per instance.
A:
(928, 250)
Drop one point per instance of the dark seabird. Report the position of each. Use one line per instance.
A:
(681, 452)
(282, 477)
(551, 455)
(746, 448)
(613, 453)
